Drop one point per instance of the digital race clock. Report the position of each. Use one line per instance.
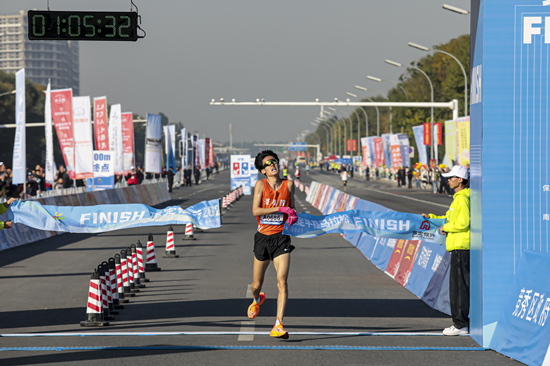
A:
(82, 25)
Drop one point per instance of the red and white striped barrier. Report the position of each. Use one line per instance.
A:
(151, 262)
(105, 293)
(170, 247)
(94, 310)
(119, 281)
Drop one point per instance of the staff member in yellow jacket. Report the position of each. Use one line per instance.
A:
(457, 229)
(4, 208)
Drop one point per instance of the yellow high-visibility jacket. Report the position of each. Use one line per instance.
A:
(457, 225)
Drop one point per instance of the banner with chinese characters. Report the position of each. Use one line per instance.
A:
(128, 141)
(416, 262)
(101, 132)
(104, 172)
(463, 131)
(62, 116)
(521, 331)
(240, 172)
(82, 130)
(396, 158)
(365, 151)
(451, 142)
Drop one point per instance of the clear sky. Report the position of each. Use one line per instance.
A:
(279, 50)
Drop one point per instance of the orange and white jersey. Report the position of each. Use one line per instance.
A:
(273, 223)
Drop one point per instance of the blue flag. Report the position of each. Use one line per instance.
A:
(101, 218)
(397, 225)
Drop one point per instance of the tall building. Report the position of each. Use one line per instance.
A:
(57, 61)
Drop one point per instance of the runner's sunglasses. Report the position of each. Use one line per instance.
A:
(270, 162)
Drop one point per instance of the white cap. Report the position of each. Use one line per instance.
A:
(457, 171)
(132, 167)
(1, 163)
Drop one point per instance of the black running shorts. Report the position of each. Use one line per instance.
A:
(267, 247)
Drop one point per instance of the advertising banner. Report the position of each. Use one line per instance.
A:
(103, 218)
(419, 139)
(170, 145)
(387, 149)
(365, 151)
(427, 134)
(201, 149)
(62, 115)
(184, 159)
(19, 162)
(451, 142)
(404, 147)
(210, 146)
(82, 132)
(207, 157)
(396, 225)
(253, 173)
(49, 166)
(115, 138)
(104, 171)
(101, 132)
(463, 127)
(240, 172)
(378, 151)
(396, 158)
(196, 157)
(153, 138)
(438, 133)
(128, 141)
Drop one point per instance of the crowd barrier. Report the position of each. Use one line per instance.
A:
(422, 268)
(148, 194)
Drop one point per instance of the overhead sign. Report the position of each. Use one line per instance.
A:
(297, 146)
(82, 25)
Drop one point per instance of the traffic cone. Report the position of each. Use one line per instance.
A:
(108, 282)
(94, 310)
(137, 279)
(151, 264)
(141, 268)
(170, 248)
(131, 276)
(124, 271)
(224, 203)
(104, 295)
(113, 284)
(189, 232)
(120, 286)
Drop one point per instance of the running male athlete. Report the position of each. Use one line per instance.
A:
(273, 205)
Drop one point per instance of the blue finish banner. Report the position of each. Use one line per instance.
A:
(521, 331)
(102, 218)
(396, 225)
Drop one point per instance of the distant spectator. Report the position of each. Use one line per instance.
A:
(132, 177)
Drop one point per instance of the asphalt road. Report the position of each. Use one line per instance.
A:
(342, 309)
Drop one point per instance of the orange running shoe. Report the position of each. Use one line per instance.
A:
(278, 331)
(254, 309)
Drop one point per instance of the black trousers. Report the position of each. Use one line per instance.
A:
(459, 287)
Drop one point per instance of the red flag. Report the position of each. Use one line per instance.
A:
(354, 145)
(128, 140)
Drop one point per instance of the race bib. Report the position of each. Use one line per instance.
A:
(272, 219)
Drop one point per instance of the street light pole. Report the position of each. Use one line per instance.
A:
(377, 113)
(397, 64)
(422, 48)
(374, 78)
(388, 99)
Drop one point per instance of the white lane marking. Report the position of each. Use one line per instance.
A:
(247, 326)
(247, 331)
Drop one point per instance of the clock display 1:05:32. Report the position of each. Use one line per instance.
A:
(82, 25)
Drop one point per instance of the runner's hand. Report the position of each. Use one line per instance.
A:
(291, 220)
(289, 211)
